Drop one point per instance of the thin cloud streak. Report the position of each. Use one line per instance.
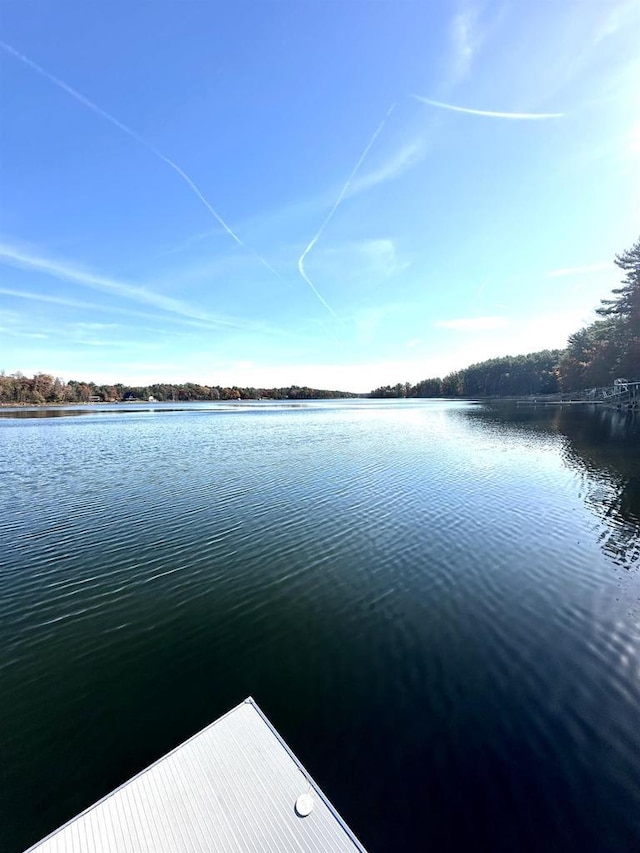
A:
(19, 258)
(51, 300)
(67, 302)
(336, 205)
(487, 113)
(59, 270)
(129, 312)
(400, 162)
(136, 136)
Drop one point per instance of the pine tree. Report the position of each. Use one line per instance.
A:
(626, 308)
(627, 301)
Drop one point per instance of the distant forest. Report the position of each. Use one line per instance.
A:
(607, 349)
(44, 388)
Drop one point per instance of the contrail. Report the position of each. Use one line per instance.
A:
(331, 213)
(132, 133)
(487, 113)
(441, 105)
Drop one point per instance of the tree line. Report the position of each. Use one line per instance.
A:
(607, 349)
(44, 388)
(535, 373)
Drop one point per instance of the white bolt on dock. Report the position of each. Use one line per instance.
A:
(234, 786)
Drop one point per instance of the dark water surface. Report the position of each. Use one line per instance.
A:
(437, 605)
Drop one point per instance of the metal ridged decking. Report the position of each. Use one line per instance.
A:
(231, 787)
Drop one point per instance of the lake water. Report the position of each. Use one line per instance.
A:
(437, 604)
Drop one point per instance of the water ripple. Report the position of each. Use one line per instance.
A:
(434, 592)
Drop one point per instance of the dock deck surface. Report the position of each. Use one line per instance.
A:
(231, 787)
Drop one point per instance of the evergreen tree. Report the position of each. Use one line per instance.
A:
(626, 303)
(625, 307)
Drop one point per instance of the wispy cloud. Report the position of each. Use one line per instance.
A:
(142, 141)
(614, 18)
(25, 333)
(51, 300)
(86, 278)
(70, 331)
(69, 302)
(381, 255)
(463, 38)
(407, 156)
(583, 270)
(336, 205)
(487, 113)
(375, 257)
(63, 270)
(473, 324)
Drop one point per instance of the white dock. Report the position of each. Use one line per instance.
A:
(231, 787)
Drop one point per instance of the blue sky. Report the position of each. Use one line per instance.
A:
(268, 193)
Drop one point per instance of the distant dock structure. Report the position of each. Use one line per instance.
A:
(233, 787)
(623, 394)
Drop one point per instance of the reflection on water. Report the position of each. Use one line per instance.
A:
(606, 446)
(603, 447)
(92, 409)
(27, 413)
